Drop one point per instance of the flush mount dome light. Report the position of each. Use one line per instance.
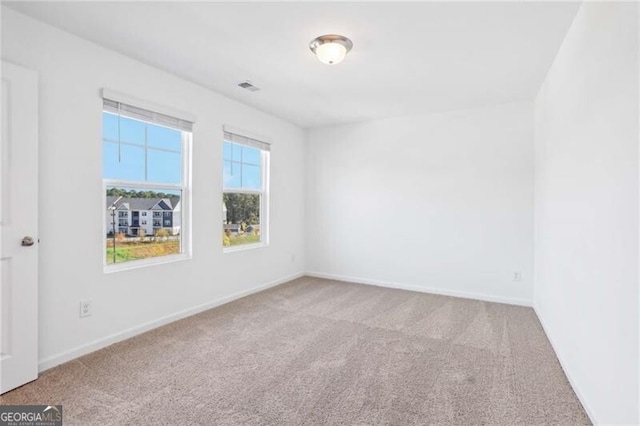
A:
(331, 48)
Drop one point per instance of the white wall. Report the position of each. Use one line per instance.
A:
(71, 73)
(586, 209)
(438, 202)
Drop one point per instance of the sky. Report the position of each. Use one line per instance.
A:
(163, 153)
(152, 153)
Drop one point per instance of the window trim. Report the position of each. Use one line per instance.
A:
(186, 237)
(143, 263)
(264, 200)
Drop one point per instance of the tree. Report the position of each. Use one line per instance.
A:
(132, 193)
(242, 208)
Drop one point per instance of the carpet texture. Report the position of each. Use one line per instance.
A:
(315, 351)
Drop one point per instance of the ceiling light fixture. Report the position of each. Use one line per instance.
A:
(331, 48)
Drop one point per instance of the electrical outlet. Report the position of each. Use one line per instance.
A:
(517, 276)
(86, 308)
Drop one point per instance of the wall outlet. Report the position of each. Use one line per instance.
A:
(517, 276)
(86, 308)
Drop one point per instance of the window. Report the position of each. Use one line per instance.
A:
(245, 192)
(145, 158)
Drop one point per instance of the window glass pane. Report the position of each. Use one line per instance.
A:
(131, 164)
(237, 152)
(142, 222)
(232, 175)
(164, 167)
(251, 177)
(227, 151)
(163, 137)
(250, 155)
(128, 236)
(109, 126)
(131, 130)
(241, 219)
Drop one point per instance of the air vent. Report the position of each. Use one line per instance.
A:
(249, 86)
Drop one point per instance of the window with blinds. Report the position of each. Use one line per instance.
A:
(245, 191)
(146, 161)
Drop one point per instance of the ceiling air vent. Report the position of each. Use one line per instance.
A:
(249, 86)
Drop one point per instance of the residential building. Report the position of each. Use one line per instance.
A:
(130, 216)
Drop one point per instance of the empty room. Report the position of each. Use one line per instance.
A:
(346, 213)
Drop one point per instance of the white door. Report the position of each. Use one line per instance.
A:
(18, 227)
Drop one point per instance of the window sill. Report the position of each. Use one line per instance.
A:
(143, 263)
(243, 247)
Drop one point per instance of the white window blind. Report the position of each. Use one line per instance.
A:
(246, 141)
(143, 114)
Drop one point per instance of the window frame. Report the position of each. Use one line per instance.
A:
(185, 203)
(264, 198)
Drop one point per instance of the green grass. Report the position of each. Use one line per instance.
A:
(236, 240)
(126, 251)
(122, 255)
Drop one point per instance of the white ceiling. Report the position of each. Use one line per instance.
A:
(408, 58)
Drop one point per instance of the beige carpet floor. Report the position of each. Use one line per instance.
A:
(314, 351)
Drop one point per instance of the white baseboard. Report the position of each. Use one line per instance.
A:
(52, 361)
(423, 289)
(567, 372)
